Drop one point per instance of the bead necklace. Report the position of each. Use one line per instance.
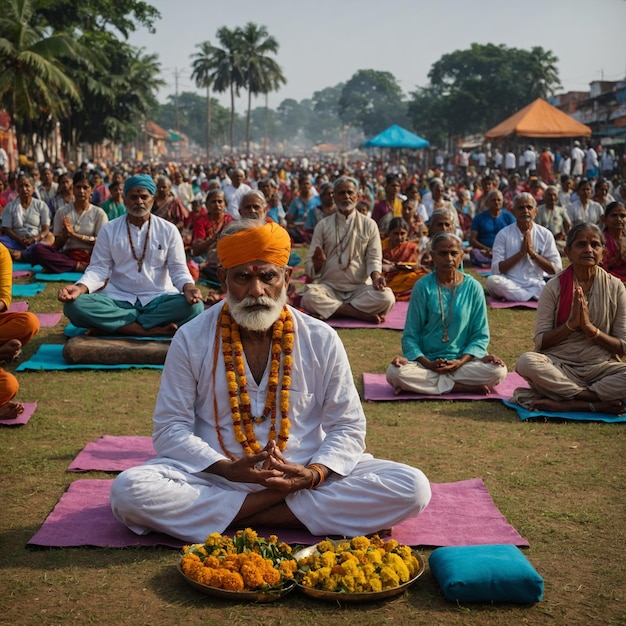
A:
(232, 350)
(446, 323)
(145, 244)
(345, 243)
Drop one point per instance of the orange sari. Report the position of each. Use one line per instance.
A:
(401, 281)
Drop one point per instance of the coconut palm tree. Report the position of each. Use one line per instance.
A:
(34, 84)
(261, 72)
(203, 66)
(227, 73)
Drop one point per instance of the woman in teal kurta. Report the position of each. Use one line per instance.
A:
(445, 339)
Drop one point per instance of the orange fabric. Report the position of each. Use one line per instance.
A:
(8, 387)
(269, 243)
(22, 326)
(539, 119)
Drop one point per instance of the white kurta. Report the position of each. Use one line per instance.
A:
(173, 494)
(164, 268)
(353, 251)
(525, 280)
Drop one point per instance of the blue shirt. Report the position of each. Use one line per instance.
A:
(488, 226)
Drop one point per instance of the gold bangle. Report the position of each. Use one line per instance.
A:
(569, 327)
(593, 335)
(316, 468)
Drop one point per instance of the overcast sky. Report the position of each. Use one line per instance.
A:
(325, 42)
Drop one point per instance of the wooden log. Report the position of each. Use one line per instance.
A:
(96, 350)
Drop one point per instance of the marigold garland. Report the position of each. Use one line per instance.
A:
(243, 421)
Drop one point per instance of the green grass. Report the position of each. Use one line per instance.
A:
(560, 484)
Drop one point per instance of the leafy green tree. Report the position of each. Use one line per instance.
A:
(372, 100)
(228, 73)
(204, 63)
(325, 124)
(472, 90)
(34, 83)
(262, 74)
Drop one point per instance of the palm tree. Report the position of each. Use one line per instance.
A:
(262, 73)
(34, 84)
(227, 73)
(203, 65)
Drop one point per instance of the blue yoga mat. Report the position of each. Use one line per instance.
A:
(20, 267)
(50, 357)
(23, 291)
(581, 416)
(63, 277)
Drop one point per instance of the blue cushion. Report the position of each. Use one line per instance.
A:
(488, 573)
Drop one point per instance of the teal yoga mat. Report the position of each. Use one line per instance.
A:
(17, 266)
(581, 416)
(63, 277)
(24, 291)
(50, 357)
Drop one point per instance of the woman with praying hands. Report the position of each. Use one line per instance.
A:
(580, 335)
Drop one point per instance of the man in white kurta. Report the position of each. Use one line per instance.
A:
(345, 263)
(137, 281)
(522, 254)
(183, 494)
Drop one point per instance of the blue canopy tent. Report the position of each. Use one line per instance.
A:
(396, 137)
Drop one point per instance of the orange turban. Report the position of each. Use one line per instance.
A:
(269, 243)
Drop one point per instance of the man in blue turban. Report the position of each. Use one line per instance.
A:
(137, 283)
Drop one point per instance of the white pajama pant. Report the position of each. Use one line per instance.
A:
(502, 287)
(549, 378)
(322, 300)
(157, 497)
(415, 377)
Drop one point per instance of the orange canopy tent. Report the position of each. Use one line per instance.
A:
(539, 119)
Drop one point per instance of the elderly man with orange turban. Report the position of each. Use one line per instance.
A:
(258, 421)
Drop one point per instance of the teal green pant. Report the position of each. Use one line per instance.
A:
(97, 310)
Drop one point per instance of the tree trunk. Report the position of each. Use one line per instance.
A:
(232, 117)
(248, 124)
(208, 123)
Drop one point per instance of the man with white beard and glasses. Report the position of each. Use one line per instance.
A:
(258, 421)
(137, 282)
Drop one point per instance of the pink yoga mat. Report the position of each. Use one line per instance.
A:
(113, 454)
(395, 320)
(460, 513)
(18, 307)
(494, 303)
(29, 409)
(49, 319)
(21, 273)
(376, 387)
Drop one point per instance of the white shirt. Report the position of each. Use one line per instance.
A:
(26, 222)
(233, 196)
(327, 419)
(591, 158)
(591, 213)
(510, 161)
(577, 161)
(530, 159)
(526, 273)
(164, 267)
(565, 166)
(88, 223)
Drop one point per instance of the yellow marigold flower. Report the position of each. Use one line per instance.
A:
(360, 543)
(285, 548)
(390, 545)
(398, 565)
(375, 584)
(325, 546)
(348, 583)
(288, 568)
(374, 556)
(389, 578)
(327, 559)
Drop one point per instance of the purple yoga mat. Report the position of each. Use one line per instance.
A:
(49, 319)
(113, 454)
(21, 273)
(18, 307)
(494, 303)
(29, 409)
(460, 513)
(395, 319)
(376, 387)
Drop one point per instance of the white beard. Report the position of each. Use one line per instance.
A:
(138, 211)
(257, 320)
